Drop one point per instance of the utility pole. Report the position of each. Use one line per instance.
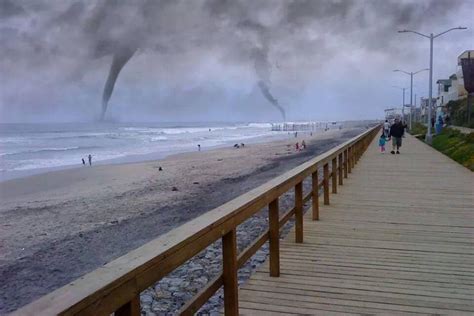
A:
(403, 101)
(416, 117)
(411, 74)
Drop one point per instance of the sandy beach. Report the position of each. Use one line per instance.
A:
(60, 225)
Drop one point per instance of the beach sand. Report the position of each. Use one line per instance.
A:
(60, 225)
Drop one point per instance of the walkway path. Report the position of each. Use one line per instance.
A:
(397, 238)
(464, 130)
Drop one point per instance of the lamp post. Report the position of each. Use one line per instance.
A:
(431, 37)
(411, 74)
(403, 100)
(416, 117)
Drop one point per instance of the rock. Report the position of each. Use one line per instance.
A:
(201, 280)
(162, 294)
(146, 298)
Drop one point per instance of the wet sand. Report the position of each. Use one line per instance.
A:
(60, 225)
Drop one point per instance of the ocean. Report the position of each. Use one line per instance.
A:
(33, 148)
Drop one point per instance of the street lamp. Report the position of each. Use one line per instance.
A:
(411, 74)
(431, 38)
(403, 104)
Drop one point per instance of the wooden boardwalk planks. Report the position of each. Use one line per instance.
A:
(397, 238)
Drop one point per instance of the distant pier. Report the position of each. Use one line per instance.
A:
(304, 126)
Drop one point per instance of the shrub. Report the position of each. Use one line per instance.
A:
(418, 129)
(457, 146)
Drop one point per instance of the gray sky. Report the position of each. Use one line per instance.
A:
(201, 60)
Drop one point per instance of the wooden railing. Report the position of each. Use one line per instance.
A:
(116, 286)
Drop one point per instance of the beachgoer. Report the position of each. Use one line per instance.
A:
(90, 159)
(396, 133)
(199, 147)
(303, 144)
(386, 128)
(382, 141)
(296, 134)
(236, 146)
(83, 161)
(297, 146)
(242, 145)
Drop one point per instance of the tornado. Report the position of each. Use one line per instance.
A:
(120, 58)
(266, 93)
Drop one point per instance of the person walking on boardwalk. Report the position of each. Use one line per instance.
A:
(386, 128)
(396, 133)
(382, 141)
(90, 159)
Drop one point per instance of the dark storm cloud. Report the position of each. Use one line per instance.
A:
(9, 8)
(58, 38)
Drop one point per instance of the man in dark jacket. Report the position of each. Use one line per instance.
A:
(396, 133)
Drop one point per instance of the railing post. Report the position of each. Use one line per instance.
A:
(356, 153)
(299, 213)
(359, 151)
(326, 183)
(132, 308)
(341, 166)
(349, 159)
(353, 157)
(274, 229)
(334, 174)
(346, 164)
(315, 195)
(229, 273)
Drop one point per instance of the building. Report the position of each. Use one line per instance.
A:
(424, 108)
(451, 89)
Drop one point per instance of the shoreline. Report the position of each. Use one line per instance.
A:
(59, 226)
(135, 158)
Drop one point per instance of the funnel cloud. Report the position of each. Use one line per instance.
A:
(266, 92)
(119, 60)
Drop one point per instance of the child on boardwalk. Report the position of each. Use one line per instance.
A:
(382, 141)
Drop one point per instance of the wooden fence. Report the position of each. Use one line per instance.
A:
(116, 286)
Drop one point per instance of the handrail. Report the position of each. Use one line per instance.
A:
(116, 286)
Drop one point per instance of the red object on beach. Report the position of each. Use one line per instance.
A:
(297, 146)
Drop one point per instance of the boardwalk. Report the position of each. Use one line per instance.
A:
(397, 238)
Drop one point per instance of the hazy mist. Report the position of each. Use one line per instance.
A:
(218, 60)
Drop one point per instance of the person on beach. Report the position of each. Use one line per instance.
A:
(83, 161)
(297, 146)
(396, 133)
(90, 159)
(199, 147)
(382, 141)
(386, 128)
(303, 144)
